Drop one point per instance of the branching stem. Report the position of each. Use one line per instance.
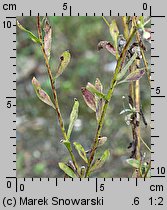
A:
(113, 83)
(60, 119)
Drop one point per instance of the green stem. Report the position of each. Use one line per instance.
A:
(60, 119)
(108, 98)
(52, 83)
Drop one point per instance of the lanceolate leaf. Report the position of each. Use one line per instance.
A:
(89, 98)
(30, 34)
(64, 61)
(133, 162)
(42, 95)
(100, 162)
(73, 117)
(94, 90)
(81, 151)
(107, 45)
(47, 38)
(67, 170)
(134, 76)
(114, 34)
(121, 74)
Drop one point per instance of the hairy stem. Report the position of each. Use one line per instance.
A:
(60, 119)
(113, 83)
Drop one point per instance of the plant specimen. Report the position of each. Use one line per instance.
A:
(128, 49)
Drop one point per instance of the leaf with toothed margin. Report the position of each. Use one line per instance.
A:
(42, 95)
(107, 45)
(30, 34)
(67, 170)
(89, 98)
(100, 162)
(73, 117)
(64, 61)
(81, 151)
(47, 38)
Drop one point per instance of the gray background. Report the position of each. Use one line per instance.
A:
(118, 194)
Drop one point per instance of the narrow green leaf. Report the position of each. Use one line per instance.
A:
(121, 74)
(81, 151)
(93, 90)
(47, 38)
(64, 61)
(100, 162)
(133, 162)
(42, 95)
(134, 76)
(73, 117)
(114, 34)
(89, 98)
(67, 170)
(30, 34)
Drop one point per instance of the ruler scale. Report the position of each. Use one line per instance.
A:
(90, 193)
